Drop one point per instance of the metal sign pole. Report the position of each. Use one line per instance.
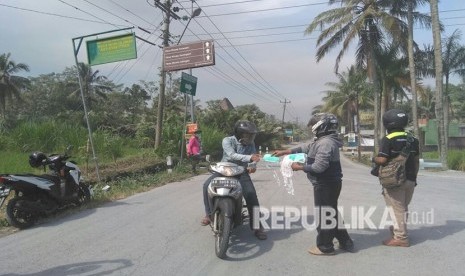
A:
(76, 51)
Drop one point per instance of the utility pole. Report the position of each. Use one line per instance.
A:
(284, 111)
(166, 8)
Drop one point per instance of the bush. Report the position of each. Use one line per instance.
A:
(456, 160)
(211, 139)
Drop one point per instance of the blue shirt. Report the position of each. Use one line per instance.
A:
(235, 152)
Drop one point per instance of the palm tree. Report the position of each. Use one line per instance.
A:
(342, 97)
(10, 84)
(438, 69)
(406, 10)
(94, 85)
(393, 76)
(453, 61)
(367, 21)
(346, 97)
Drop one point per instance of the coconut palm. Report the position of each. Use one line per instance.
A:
(393, 75)
(346, 97)
(10, 84)
(439, 75)
(406, 10)
(453, 61)
(366, 21)
(94, 86)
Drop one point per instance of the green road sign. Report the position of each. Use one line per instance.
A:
(111, 49)
(188, 84)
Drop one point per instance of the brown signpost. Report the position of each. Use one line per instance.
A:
(189, 55)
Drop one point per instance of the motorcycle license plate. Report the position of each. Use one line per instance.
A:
(225, 183)
(4, 191)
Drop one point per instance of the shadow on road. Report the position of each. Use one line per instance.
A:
(372, 238)
(88, 268)
(245, 246)
(435, 232)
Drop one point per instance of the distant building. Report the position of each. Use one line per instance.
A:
(226, 105)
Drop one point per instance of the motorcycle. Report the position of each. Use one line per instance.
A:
(225, 197)
(42, 195)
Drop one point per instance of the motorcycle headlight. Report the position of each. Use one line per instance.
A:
(226, 170)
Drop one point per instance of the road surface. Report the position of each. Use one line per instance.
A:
(158, 233)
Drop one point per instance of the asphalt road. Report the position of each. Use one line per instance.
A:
(158, 233)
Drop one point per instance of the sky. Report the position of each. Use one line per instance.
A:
(262, 55)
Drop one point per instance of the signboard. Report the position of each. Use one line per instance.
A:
(190, 55)
(192, 128)
(351, 140)
(111, 49)
(288, 132)
(188, 84)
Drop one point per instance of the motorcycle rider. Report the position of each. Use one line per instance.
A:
(239, 149)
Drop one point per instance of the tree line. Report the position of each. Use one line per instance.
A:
(117, 110)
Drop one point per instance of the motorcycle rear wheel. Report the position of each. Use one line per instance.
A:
(17, 217)
(222, 237)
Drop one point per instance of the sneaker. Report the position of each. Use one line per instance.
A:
(205, 221)
(316, 251)
(260, 234)
(347, 246)
(395, 242)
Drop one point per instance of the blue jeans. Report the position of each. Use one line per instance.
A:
(248, 192)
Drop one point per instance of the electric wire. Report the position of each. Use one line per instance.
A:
(232, 66)
(273, 93)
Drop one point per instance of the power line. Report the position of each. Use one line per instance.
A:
(240, 65)
(60, 15)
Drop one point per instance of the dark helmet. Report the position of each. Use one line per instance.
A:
(323, 124)
(395, 119)
(245, 131)
(36, 159)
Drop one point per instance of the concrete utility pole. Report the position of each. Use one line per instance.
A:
(161, 97)
(284, 111)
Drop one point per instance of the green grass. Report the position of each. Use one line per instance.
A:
(15, 162)
(455, 159)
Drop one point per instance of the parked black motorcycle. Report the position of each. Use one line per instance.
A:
(41, 195)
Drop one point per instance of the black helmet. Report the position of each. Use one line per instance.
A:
(245, 131)
(36, 159)
(395, 119)
(323, 124)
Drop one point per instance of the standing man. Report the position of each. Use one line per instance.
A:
(193, 150)
(324, 171)
(398, 198)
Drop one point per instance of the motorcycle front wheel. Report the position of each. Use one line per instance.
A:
(18, 217)
(224, 229)
(84, 194)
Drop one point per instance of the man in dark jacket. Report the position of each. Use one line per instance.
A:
(324, 171)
